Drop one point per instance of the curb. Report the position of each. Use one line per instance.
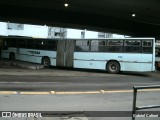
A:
(21, 64)
(74, 92)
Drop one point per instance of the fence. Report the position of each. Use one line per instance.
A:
(135, 108)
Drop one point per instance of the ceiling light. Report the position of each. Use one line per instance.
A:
(133, 15)
(66, 4)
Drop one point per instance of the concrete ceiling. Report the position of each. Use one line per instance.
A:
(103, 15)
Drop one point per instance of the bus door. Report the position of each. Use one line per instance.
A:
(65, 50)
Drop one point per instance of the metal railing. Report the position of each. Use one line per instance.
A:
(135, 108)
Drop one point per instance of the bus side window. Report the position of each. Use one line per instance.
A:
(132, 46)
(98, 46)
(4, 45)
(21, 43)
(115, 46)
(30, 44)
(52, 45)
(82, 46)
(78, 46)
(40, 44)
(94, 46)
(157, 52)
(147, 46)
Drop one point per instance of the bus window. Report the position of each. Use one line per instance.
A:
(94, 46)
(21, 43)
(30, 44)
(157, 52)
(40, 44)
(82, 46)
(12, 42)
(115, 46)
(147, 46)
(4, 44)
(102, 43)
(51, 45)
(102, 46)
(132, 46)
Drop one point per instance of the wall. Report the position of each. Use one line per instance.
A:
(35, 31)
(91, 34)
(3, 29)
(28, 30)
(72, 33)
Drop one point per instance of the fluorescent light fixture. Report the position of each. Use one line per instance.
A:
(66, 4)
(133, 15)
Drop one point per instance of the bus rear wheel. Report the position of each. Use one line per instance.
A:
(46, 62)
(113, 67)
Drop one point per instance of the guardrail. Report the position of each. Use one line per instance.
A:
(135, 108)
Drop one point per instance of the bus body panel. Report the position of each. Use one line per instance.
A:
(30, 55)
(128, 62)
(4, 54)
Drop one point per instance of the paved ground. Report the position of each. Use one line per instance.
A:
(59, 80)
(89, 102)
(8, 69)
(103, 101)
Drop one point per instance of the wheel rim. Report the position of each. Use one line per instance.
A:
(113, 67)
(46, 62)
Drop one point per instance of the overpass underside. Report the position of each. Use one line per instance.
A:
(104, 15)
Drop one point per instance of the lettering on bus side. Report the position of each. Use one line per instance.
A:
(119, 56)
(34, 52)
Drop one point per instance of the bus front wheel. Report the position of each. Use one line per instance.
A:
(46, 62)
(113, 67)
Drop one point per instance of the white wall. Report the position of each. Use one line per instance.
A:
(35, 31)
(15, 32)
(118, 36)
(29, 30)
(3, 29)
(91, 34)
(73, 33)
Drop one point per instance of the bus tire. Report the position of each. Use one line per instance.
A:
(12, 56)
(46, 62)
(113, 67)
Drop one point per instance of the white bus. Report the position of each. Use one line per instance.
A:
(112, 55)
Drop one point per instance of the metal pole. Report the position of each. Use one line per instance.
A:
(134, 103)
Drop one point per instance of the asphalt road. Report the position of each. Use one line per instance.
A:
(90, 81)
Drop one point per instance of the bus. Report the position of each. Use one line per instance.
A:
(112, 55)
